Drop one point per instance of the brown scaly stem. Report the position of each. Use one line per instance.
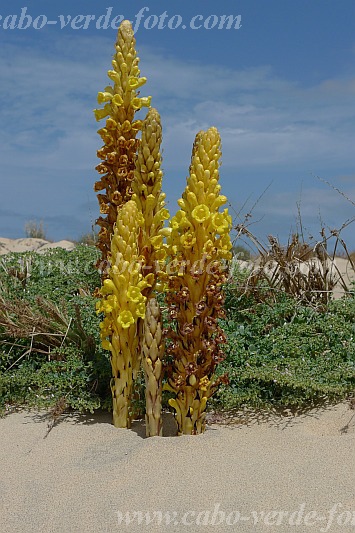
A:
(153, 350)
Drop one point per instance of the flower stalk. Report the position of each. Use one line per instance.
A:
(200, 243)
(120, 103)
(123, 304)
(150, 202)
(153, 351)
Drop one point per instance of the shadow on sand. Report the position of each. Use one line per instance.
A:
(101, 417)
(234, 419)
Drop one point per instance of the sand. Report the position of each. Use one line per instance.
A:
(283, 475)
(85, 472)
(29, 244)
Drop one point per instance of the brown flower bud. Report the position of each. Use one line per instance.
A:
(200, 307)
(211, 323)
(187, 329)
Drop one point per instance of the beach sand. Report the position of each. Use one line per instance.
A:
(82, 474)
(29, 244)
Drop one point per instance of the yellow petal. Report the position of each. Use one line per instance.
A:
(102, 113)
(134, 294)
(125, 319)
(103, 97)
(106, 344)
(140, 310)
(201, 213)
(135, 83)
(117, 100)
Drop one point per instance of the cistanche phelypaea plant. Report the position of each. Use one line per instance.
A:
(131, 241)
(200, 243)
(123, 304)
(150, 202)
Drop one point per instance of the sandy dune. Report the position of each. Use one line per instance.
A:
(29, 244)
(85, 473)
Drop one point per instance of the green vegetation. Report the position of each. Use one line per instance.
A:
(49, 342)
(281, 352)
(284, 353)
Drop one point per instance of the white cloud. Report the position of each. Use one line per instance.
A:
(48, 137)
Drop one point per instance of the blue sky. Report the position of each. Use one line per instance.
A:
(281, 90)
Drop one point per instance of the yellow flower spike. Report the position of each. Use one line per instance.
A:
(123, 303)
(120, 134)
(150, 201)
(149, 183)
(153, 349)
(199, 239)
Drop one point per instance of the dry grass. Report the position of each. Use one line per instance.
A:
(307, 272)
(43, 325)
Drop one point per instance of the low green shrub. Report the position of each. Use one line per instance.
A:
(43, 383)
(280, 352)
(55, 274)
(49, 331)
